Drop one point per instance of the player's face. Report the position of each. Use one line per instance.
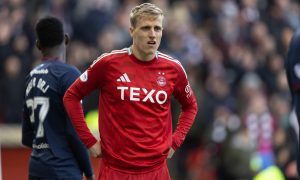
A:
(146, 36)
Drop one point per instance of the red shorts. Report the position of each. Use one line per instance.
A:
(108, 173)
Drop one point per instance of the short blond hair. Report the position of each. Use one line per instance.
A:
(144, 10)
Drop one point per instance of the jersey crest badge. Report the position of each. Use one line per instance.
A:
(161, 80)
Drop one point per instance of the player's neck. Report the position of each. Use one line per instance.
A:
(141, 56)
(54, 53)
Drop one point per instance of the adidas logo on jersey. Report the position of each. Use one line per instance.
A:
(123, 78)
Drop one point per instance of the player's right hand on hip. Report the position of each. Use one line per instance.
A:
(95, 150)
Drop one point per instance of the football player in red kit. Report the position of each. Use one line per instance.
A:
(135, 121)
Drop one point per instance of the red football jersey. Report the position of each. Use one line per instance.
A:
(135, 121)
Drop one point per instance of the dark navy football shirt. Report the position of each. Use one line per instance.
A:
(56, 148)
(292, 63)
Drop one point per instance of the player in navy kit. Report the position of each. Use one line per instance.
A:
(57, 152)
(292, 65)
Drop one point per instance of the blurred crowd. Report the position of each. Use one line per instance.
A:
(233, 52)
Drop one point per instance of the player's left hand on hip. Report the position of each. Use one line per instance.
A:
(171, 152)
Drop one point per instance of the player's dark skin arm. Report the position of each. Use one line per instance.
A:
(27, 131)
(79, 151)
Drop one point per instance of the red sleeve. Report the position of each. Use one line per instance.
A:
(185, 96)
(90, 80)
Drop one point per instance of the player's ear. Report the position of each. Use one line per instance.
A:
(38, 44)
(67, 39)
(131, 29)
